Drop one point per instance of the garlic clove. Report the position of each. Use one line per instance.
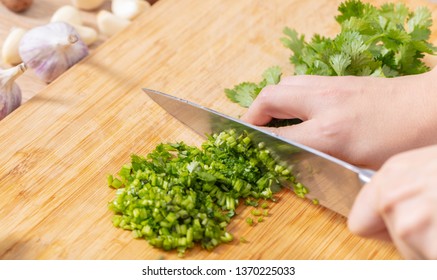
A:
(68, 14)
(129, 9)
(10, 54)
(71, 15)
(87, 4)
(109, 24)
(87, 34)
(10, 92)
(51, 49)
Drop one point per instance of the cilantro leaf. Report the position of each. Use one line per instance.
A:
(419, 24)
(272, 76)
(243, 93)
(246, 92)
(353, 8)
(339, 63)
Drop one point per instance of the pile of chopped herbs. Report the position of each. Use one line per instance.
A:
(179, 195)
(388, 41)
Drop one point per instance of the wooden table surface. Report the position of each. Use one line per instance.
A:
(58, 147)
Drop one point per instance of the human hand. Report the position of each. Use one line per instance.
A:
(362, 120)
(400, 204)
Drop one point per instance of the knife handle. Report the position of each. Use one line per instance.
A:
(365, 175)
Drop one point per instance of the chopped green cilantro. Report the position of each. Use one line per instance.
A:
(178, 195)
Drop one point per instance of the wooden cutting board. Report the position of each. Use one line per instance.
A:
(58, 147)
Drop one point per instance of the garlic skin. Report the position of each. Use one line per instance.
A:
(10, 92)
(51, 49)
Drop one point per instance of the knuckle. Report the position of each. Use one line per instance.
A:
(262, 100)
(333, 130)
(266, 99)
(266, 93)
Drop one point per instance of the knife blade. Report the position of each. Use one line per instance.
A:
(333, 182)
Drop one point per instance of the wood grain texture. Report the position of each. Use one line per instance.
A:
(57, 148)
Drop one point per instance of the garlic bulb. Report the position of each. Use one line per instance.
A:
(51, 49)
(10, 93)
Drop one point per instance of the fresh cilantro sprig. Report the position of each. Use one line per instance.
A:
(388, 41)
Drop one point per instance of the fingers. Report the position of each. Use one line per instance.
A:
(410, 224)
(364, 218)
(308, 80)
(400, 201)
(281, 102)
(294, 97)
(307, 133)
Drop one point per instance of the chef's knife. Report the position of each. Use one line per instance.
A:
(333, 182)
